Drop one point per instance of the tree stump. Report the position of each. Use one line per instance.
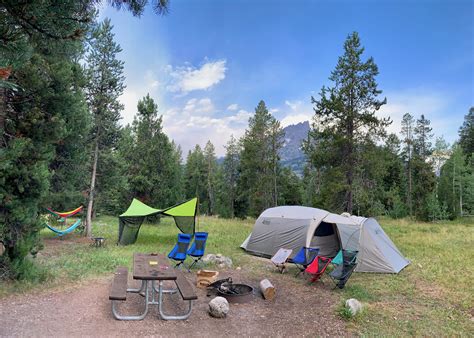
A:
(267, 289)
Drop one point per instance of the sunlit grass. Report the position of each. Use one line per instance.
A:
(433, 296)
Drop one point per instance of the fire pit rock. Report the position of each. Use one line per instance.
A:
(218, 307)
(220, 260)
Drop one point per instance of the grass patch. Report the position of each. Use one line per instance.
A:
(433, 296)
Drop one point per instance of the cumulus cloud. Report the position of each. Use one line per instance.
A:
(419, 101)
(233, 107)
(299, 112)
(194, 105)
(185, 79)
(188, 127)
(150, 80)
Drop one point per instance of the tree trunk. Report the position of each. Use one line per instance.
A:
(460, 197)
(410, 204)
(350, 168)
(454, 190)
(92, 190)
(210, 191)
(275, 197)
(232, 196)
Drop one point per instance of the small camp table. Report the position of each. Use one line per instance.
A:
(280, 258)
(150, 268)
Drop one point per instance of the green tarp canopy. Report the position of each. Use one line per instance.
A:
(130, 221)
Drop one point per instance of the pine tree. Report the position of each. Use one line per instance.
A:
(275, 136)
(154, 171)
(466, 134)
(394, 178)
(259, 161)
(229, 179)
(424, 180)
(195, 177)
(408, 130)
(210, 173)
(456, 184)
(345, 116)
(105, 85)
(39, 97)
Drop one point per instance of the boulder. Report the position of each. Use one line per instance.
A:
(209, 258)
(226, 261)
(354, 306)
(218, 307)
(220, 260)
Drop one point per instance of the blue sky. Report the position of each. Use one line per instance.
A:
(208, 63)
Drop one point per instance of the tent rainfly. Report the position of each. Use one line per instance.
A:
(130, 221)
(293, 227)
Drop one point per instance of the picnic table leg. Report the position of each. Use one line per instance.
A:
(171, 317)
(170, 291)
(138, 317)
(140, 290)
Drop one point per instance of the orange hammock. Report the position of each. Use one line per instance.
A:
(65, 214)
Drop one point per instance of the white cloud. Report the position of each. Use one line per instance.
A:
(295, 119)
(150, 80)
(300, 112)
(194, 105)
(130, 100)
(241, 117)
(188, 78)
(233, 107)
(432, 104)
(188, 126)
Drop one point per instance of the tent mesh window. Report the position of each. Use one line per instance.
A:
(128, 229)
(185, 223)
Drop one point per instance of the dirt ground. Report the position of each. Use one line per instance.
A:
(299, 309)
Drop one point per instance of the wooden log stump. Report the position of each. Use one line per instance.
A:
(267, 289)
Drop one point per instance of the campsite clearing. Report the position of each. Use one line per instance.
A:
(431, 296)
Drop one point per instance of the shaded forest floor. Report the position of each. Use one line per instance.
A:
(432, 296)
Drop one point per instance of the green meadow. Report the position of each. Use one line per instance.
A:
(433, 296)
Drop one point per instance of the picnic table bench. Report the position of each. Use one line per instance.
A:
(119, 285)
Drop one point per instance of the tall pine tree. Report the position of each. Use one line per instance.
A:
(259, 161)
(408, 132)
(105, 85)
(345, 116)
(39, 98)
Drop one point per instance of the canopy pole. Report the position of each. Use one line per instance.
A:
(197, 207)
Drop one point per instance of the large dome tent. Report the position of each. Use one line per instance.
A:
(293, 227)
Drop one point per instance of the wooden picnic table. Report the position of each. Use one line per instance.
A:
(152, 268)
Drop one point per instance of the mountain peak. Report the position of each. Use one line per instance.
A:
(291, 154)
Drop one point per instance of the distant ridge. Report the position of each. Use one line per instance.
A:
(291, 154)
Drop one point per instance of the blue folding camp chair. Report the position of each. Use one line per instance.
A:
(305, 257)
(197, 248)
(179, 251)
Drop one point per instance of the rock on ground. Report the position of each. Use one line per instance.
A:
(218, 307)
(220, 260)
(354, 306)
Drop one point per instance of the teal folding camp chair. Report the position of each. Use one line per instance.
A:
(345, 263)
